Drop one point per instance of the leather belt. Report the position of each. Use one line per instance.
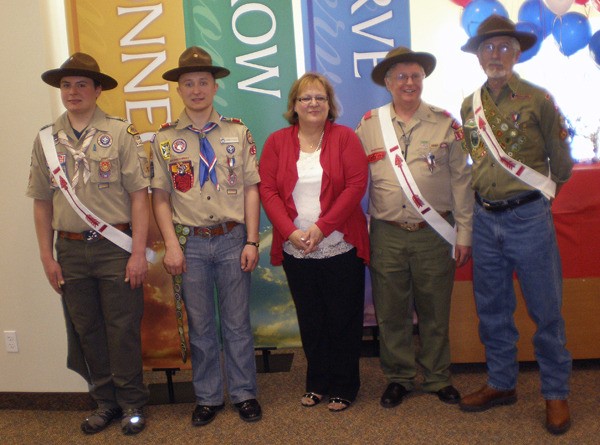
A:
(90, 235)
(413, 227)
(507, 204)
(209, 232)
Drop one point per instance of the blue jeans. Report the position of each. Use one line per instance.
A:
(215, 262)
(520, 240)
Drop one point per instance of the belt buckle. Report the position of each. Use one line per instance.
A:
(410, 227)
(90, 235)
(205, 232)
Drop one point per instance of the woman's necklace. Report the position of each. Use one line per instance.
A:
(311, 147)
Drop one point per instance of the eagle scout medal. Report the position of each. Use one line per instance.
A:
(179, 145)
(182, 175)
(105, 140)
(231, 177)
(104, 168)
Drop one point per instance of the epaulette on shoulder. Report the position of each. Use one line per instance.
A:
(232, 120)
(45, 126)
(117, 118)
(369, 114)
(168, 125)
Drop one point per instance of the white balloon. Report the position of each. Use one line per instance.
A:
(559, 7)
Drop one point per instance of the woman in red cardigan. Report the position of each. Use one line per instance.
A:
(313, 177)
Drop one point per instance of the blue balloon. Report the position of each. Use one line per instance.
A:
(479, 10)
(572, 32)
(535, 30)
(536, 12)
(595, 48)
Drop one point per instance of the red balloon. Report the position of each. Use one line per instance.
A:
(597, 5)
(582, 2)
(462, 3)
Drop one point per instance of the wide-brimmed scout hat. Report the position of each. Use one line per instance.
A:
(402, 54)
(494, 26)
(195, 59)
(79, 64)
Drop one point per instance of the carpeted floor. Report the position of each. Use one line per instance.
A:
(420, 419)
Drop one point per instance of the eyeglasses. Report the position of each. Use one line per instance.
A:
(305, 100)
(503, 48)
(403, 78)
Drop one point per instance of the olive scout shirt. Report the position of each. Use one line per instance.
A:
(530, 128)
(176, 161)
(435, 159)
(118, 166)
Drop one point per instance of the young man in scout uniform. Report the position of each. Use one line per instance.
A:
(103, 160)
(518, 142)
(206, 204)
(421, 207)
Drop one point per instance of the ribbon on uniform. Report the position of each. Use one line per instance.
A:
(208, 160)
(78, 155)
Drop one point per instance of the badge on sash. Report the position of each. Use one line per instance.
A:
(105, 140)
(182, 175)
(179, 145)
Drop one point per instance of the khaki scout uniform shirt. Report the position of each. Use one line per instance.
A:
(434, 143)
(118, 166)
(531, 130)
(176, 151)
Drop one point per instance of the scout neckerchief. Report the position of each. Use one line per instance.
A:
(208, 160)
(529, 176)
(114, 235)
(407, 182)
(78, 155)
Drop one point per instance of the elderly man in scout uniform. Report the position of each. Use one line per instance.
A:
(518, 142)
(100, 173)
(206, 203)
(421, 207)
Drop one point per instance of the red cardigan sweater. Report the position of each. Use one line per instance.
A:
(345, 175)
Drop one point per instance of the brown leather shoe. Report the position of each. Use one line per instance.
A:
(487, 398)
(558, 419)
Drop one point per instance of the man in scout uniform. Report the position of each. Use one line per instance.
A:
(421, 208)
(518, 142)
(103, 160)
(206, 204)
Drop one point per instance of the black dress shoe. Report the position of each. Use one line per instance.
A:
(393, 395)
(204, 414)
(448, 394)
(249, 410)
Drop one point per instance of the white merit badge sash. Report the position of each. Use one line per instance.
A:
(114, 235)
(529, 176)
(407, 182)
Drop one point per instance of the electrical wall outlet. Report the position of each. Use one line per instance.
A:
(10, 338)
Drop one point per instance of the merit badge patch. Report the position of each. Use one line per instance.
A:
(182, 175)
(179, 145)
(105, 140)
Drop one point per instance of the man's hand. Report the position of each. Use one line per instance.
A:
(174, 261)
(249, 258)
(136, 270)
(54, 274)
(462, 254)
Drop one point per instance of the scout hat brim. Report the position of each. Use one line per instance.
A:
(495, 26)
(402, 55)
(79, 64)
(195, 59)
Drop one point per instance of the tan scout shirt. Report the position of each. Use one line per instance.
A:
(436, 161)
(176, 160)
(530, 128)
(118, 166)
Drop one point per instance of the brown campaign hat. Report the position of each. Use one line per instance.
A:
(79, 64)
(195, 59)
(402, 54)
(494, 26)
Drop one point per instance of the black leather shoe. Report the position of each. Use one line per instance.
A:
(249, 410)
(448, 394)
(393, 395)
(204, 414)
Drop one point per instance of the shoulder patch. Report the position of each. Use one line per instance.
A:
(232, 120)
(168, 125)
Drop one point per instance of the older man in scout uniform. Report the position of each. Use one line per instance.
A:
(206, 203)
(518, 142)
(100, 172)
(421, 207)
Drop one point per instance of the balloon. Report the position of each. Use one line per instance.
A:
(479, 10)
(536, 12)
(595, 48)
(533, 29)
(582, 2)
(597, 5)
(572, 32)
(463, 3)
(559, 7)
